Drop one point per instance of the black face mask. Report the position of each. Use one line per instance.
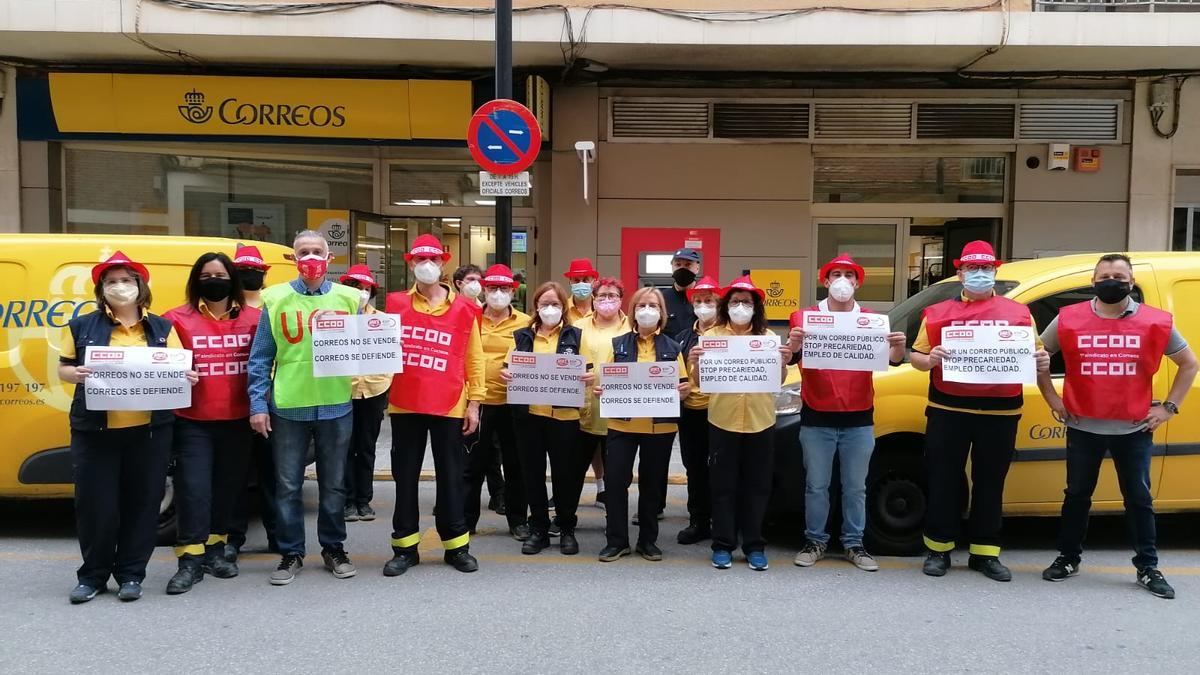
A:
(252, 280)
(683, 276)
(1112, 291)
(215, 289)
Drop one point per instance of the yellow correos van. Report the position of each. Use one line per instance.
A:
(47, 282)
(896, 484)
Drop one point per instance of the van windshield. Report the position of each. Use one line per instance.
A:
(906, 316)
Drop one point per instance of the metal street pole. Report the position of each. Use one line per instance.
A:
(504, 90)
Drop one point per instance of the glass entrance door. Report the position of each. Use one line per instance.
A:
(371, 246)
(874, 243)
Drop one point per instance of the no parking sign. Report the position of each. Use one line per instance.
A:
(504, 137)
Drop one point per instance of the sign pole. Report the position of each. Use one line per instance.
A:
(504, 90)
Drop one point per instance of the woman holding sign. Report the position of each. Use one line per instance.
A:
(741, 442)
(119, 457)
(545, 430)
(212, 437)
(652, 437)
(606, 322)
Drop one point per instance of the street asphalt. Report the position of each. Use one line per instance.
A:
(555, 613)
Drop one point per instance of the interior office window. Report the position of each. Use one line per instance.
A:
(441, 185)
(953, 180)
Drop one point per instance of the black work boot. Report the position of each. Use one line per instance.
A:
(568, 544)
(990, 567)
(216, 564)
(461, 560)
(936, 563)
(696, 532)
(402, 559)
(537, 542)
(191, 572)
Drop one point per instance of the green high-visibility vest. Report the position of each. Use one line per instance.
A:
(290, 313)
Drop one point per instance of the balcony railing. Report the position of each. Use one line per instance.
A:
(1117, 5)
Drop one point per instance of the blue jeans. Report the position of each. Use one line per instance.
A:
(289, 440)
(853, 447)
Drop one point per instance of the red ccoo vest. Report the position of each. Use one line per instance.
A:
(220, 352)
(1111, 362)
(995, 311)
(435, 355)
(834, 390)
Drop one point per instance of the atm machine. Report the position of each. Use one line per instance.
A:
(654, 269)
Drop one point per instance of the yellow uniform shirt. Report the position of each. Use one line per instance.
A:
(646, 425)
(497, 339)
(370, 386)
(696, 400)
(122, 336)
(548, 344)
(574, 313)
(739, 413)
(474, 389)
(596, 346)
(922, 345)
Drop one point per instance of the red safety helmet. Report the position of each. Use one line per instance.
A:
(361, 274)
(977, 252)
(119, 259)
(427, 245)
(843, 261)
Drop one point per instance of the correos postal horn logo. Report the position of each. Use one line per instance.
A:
(775, 290)
(193, 110)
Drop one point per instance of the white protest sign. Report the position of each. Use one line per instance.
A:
(546, 379)
(137, 378)
(845, 341)
(350, 345)
(989, 355)
(740, 364)
(639, 390)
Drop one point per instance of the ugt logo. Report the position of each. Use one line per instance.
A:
(194, 110)
(776, 290)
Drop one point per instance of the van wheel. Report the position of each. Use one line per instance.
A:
(896, 503)
(167, 516)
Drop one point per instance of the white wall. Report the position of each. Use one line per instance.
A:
(1152, 185)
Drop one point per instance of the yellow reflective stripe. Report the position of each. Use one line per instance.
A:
(980, 549)
(938, 547)
(407, 542)
(189, 549)
(214, 539)
(457, 542)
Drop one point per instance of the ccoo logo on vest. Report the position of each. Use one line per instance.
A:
(1104, 363)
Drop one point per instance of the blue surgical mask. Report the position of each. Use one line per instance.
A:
(979, 281)
(581, 290)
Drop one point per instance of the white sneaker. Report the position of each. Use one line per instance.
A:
(859, 557)
(810, 554)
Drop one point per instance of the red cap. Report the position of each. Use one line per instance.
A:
(744, 284)
(427, 245)
(704, 284)
(119, 259)
(581, 267)
(499, 275)
(361, 274)
(977, 252)
(843, 261)
(248, 256)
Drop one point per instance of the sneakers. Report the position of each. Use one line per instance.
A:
(461, 560)
(858, 556)
(365, 512)
(554, 529)
(132, 590)
(519, 532)
(337, 562)
(289, 565)
(84, 593)
(936, 563)
(1152, 580)
(756, 560)
(810, 554)
(568, 544)
(1061, 569)
(400, 562)
(216, 564)
(650, 552)
(722, 560)
(990, 567)
(612, 553)
(190, 573)
(694, 533)
(350, 513)
(535, 543)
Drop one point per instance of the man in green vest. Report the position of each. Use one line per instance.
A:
(294, 409)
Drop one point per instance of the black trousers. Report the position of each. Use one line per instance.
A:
(409, 434)
(540, 437)
(360, 461)
(693, 446)
(950, 437)
(212, 459)
(494, 475)
(618, 474)
(741, 465)
(590, 444)
(261, 469)
(495, 440)
(120, 477)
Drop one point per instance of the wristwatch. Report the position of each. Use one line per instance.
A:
(1170, 407)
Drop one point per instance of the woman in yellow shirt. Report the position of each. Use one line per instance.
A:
(544, 430)
(496, 434)
(606, 322)
(119, 457)
(652, 437)
(741, 442)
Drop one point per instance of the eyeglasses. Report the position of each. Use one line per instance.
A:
(608, 296)
(743, 305)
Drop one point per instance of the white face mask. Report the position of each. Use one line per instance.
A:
(550, 315)
(121, 294)
(741, 314)
(472, 289)
(364, 297)
(647, 316)
(428, 272)
(705, 312)
(499, 299)
(841, 289)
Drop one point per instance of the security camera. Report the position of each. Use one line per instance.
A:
(586, 151)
